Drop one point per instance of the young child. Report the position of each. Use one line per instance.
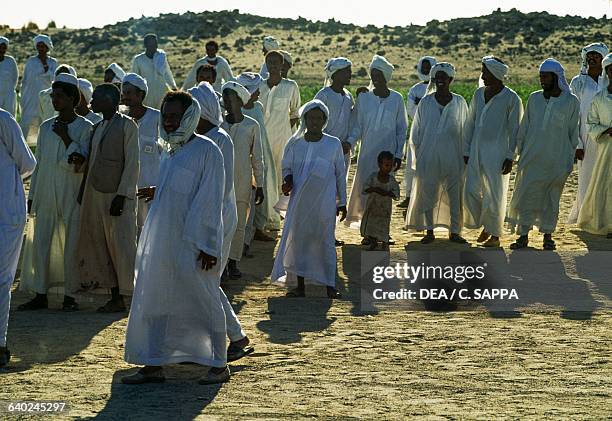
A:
(381, 188)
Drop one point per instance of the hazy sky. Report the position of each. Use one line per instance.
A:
(82, 14)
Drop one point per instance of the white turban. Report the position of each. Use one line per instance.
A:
(335, 64)
(499, 70)
(381, 63)
(210, 109)
(187, 128)
(432, 61)
(270, 43)
(4, 40)
(311, 105)
(242, 92)
(136, 81)
(550, 65)
(287, 57)
(67, 78)
(86, 89)
(71, 69)
(443, 66)
(45, 39)
(605, 63)
(250, 81)
(118, 71)
(597, 47)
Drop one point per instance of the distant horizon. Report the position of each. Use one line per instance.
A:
(69, 13)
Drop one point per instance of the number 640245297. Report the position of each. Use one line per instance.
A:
(13, 407)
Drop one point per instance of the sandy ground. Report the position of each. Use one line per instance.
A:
(321, 359)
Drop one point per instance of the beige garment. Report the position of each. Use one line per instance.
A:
(378, 208)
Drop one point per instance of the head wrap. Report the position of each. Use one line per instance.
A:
(118, 71)
(136, 81)
(242, 92)
(381, 63)
(550, 65)
(86, 89)
(270, 43)
(4, 40)
(287, 57)
(432, 61)
(597, 47)
(607, 61)
(67, 78)
(189, 123)
(71, 70)
(45, 39)
(210, 109)
(333, 65)
(443, 66)
(499, 70)
(250, 81)
(311, 105)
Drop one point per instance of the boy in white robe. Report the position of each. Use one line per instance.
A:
(489, 147)
(314, 180)
(269, 44)
(585, 86)
(380, 123)
(546, 145)
(83, 109)
(16, 163)
(46, 110)
(38, 75)
(153, 66)
(8, 79)
(437, 136)
(177, 315)
(248, 165)
(596, 211)
(50, 258)
(222, 68)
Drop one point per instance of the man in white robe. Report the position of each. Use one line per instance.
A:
(546, 145)
(269, 44)
(16, 163)
(281, 102)
(314, 179)
(437, 137)
(222, 68)
(488, 149)
(415, 94)
(585, 86)
(49, 258)
(83, 109)
(153, 66)
(380, 123)
(46, 110)
(596, 211)
(177, 314)
(8, 79)
(38, 75)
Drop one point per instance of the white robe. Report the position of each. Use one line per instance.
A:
(381, 125)
(49, 257)
(263, 72)
(596, 211)
(489, 139)
(151, 148)
(176, 313)
(417, 91)
(546, 145)
(35, 79)
(45, 105)
(223, 69)
(585, 88)
(159, 78)
(437, 136)
(8, 82)
(281, 104)
(307, 247)
(16, 163)
(93, 118)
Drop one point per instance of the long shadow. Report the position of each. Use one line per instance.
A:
(179, 398)
(594, 242)
(353, 289)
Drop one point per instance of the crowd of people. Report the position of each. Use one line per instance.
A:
(154, 194)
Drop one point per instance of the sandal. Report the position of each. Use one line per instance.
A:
(295, 293)
(429, 238)
(35, 303)
(549, 244)
(484, 236)
(456, 238)
(491, 242)
(520, 243)
(235, 352)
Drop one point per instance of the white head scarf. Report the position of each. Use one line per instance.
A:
(210, 109)
(382, 64)
(71, 69)
(311, 105)
(242, 92)
(443, 66)
(137, 81)
(499, 70)
(4, 40)
(270, 43)
(605, 63)
(250, 81)
(86, 89)
(333, 65)
(432, 61)
(287, 57)
(187, 128)
(118, 71)
(67, 78)
(45, 39)
(597, 47)
(553, 66)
